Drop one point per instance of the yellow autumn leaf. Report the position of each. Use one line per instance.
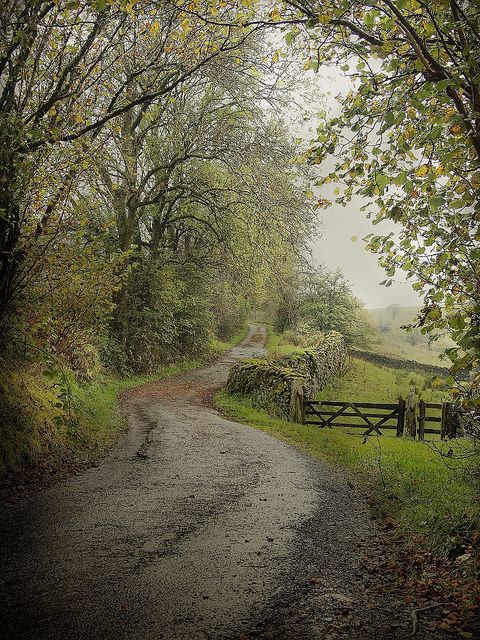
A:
(275, 57)
(275, 15)
(324, 18)
(155, 28)
(422, 171)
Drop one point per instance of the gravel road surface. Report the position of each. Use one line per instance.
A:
(196, 527)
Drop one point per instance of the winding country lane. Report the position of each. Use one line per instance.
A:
(196, 527)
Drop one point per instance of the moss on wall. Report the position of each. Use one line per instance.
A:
(279, 385)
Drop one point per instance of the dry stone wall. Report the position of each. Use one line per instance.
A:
(399, 363)
(280, 385)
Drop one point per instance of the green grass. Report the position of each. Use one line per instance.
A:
(277, 345)
(369, 382)
(432, 497)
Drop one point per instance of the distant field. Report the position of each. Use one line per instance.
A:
(368, 382)
(396, 342)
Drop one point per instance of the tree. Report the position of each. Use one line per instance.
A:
(62, 79)
(408, 139)
(328, 304)
(394, 310)
(193, 183)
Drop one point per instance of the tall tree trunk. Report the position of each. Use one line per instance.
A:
(10, 256)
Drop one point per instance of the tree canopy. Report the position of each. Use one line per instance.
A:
(142, 209)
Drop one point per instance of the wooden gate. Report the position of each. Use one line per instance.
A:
(373, 415)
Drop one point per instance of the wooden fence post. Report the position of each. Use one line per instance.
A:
(297, 405)
(421, 419)
(453, 421)
(444, 427)
(401, 417)
(410, 420)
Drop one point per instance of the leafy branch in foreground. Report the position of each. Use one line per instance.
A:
(408, 139)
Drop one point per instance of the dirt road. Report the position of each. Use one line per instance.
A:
(196, 527)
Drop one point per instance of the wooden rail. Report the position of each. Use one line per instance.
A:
(424, 418)
(433, 418)
(336, 414)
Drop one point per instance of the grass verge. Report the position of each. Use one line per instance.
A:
(40, 433)
(433, 498)
(277, 345)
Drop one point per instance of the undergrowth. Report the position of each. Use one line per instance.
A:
(40, 429)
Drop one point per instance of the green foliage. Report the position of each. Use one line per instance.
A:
(229, 311)
(408, 140)
(328, 304)
(321, 301)
(162, 316)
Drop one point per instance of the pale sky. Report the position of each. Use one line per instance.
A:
(335, 247)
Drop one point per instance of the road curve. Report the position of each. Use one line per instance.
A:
(194, 527)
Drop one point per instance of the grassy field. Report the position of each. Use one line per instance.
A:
(369, 382)
(394, 341)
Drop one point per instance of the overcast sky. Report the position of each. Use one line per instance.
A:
(335, 247)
